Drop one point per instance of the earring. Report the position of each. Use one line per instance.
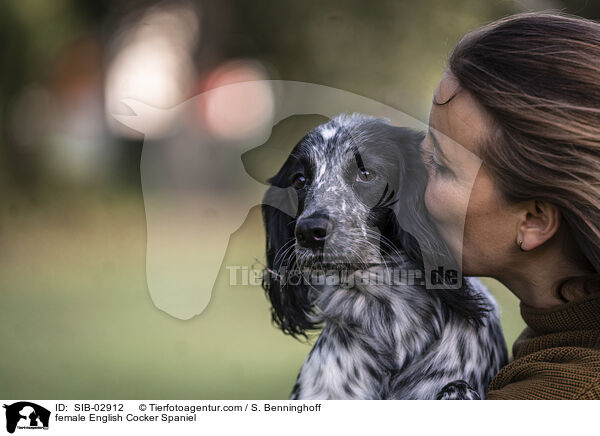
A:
(521, 245)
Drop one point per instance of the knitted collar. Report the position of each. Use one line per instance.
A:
(581, 314)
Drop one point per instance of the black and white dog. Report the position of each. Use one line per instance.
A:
(357, 185)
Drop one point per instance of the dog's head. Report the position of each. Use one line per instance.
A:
(357, 184)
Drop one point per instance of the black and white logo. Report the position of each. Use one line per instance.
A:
(26, 415)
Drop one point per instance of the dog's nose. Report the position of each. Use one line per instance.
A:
(312, 231)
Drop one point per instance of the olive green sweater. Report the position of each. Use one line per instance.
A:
(556, 357)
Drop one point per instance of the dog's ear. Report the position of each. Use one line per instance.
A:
(425, 246)
(414, 231)
(402, 220)
(407, 225)
(286, 287)
(290, 296)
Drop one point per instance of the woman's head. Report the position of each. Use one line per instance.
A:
(517, 117)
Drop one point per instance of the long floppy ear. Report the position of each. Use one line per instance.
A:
(407, 225)
(401, 217)
(290, 296)
(291, 303)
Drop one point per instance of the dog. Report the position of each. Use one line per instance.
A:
(357, 183)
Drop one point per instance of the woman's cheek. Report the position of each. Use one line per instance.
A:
(441, 204)
(434, 200)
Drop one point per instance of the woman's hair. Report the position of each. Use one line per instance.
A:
(538, 75)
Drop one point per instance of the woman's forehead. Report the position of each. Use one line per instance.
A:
(447, 89)
(456, 114)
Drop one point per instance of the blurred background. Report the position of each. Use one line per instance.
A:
(77, 320)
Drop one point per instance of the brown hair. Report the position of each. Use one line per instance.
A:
(538, 75)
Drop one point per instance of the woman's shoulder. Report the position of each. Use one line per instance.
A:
(564, 372)
(557, 356)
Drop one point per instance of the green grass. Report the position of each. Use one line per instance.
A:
(78, 321)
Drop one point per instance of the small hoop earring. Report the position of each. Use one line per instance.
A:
(521, 245)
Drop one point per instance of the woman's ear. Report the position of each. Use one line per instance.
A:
(539, 221)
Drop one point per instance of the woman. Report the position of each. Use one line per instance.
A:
(514, 140)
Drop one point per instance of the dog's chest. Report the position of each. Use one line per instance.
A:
(340, 368)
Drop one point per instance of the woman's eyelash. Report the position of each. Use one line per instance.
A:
(434, 164)
(437, 168)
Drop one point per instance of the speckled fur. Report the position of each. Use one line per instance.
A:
(384, 340)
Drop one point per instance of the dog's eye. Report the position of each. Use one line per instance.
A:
(365, 175)
(299, 181)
